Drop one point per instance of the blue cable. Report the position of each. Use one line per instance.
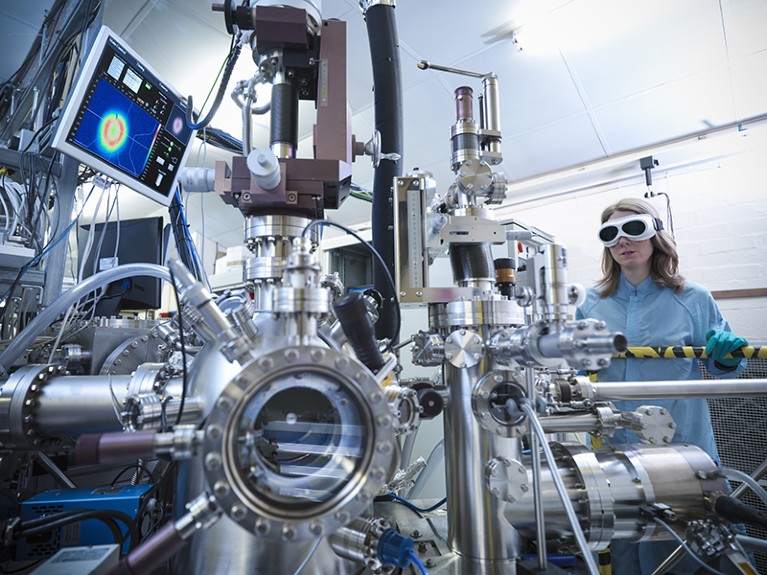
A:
(192, 248)
(34, 261)
(415, 507)
(417, 563)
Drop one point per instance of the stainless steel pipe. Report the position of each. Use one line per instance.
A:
(690, 389)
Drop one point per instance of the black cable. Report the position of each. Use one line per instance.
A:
(179, 315)
(133, 466)
(181, 236)
(21, 569)
(107, 516)
(669, 215)
(220, 139)
(398, 323)
(110, 523)
(234, 54)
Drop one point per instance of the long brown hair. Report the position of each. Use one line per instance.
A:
(664, 262)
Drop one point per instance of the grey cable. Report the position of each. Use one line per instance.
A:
(62, 303)
(431, 463)
(407, 448)
(684, 545)
(308, 557)
(580, 538)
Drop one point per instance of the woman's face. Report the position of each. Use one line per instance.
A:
(631, 255)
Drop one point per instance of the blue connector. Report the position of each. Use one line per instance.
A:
(394, 549)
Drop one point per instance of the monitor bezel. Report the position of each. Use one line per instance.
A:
(85, 79)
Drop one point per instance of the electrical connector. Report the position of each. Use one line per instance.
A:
(394, 549)
(659, 510)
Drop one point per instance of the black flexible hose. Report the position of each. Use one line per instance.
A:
(352, 314)
(384, 54)
(230, 62)
(736, 511)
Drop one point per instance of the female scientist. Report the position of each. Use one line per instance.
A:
(643, 296)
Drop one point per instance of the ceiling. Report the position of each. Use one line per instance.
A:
(580, 80)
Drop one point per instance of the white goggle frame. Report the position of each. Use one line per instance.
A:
(651, 227)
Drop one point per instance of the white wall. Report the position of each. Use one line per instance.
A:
(719, 210)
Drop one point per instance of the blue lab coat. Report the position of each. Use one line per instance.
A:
(651, 314)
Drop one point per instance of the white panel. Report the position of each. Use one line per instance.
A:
(359, 75)
(124, 15)
(749, 85)
(745, 23)
(185, 53)
(445, 32)
(620, 47)
(566, 143)
(429, 114)
(534, 90)
(688, 106)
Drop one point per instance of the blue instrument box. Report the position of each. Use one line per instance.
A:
(128, 499)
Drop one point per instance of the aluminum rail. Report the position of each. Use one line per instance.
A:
(688, 389)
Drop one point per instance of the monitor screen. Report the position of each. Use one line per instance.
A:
(123, 121)
(119, 243)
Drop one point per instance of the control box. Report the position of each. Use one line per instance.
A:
(129, 499)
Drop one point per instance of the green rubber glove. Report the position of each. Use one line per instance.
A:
(719, 343)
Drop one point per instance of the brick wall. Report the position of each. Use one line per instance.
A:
(720, 220)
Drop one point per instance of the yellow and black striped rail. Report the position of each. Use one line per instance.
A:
(690, 352)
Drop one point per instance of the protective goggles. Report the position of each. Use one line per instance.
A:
(635, 227)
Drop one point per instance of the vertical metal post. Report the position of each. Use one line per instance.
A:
(477, 529)
(540, 527)
(54, 271)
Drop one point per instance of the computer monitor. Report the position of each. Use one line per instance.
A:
(123, 121)
(140, 241)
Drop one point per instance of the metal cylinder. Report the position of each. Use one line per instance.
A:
(608, 486)
(475, 528)
(270, 238)
(358, 541)
(464, 133)
(491, 107)
(614, 390)
(464, 102)
(73, 405)
(556, 298)
(491, 114)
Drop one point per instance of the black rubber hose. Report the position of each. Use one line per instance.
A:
(284, 126)
(353, 317)
(387, 86)
(471, 263)
(736, 511)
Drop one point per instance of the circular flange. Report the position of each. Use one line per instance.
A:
(463, 348)
(299, 443)
(488, 402)
(506, 479)
(17, 406)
